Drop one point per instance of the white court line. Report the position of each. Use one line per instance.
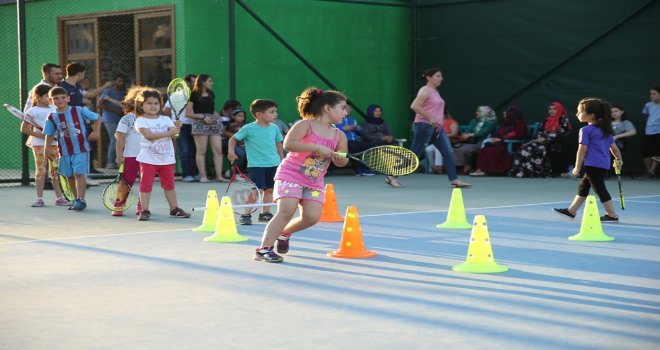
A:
(634, 201)
(372, 215)
(92, 236)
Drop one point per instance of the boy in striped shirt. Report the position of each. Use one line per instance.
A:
(69, 125)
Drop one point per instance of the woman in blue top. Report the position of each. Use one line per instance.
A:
(593, 158)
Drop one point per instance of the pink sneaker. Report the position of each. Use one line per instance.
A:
(62, 202)
(38, 203)
(117, 213)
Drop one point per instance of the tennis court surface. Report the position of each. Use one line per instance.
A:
(83, 280)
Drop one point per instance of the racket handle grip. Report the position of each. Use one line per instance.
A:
(341, 154)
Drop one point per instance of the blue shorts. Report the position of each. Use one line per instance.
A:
(263, 177)
(74, 164)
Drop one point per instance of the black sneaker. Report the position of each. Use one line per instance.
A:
(245, 220)
(265, 217)
(267, 255)
(283, 244)
(565, 212)
(144, 215)
(607, 218)
(179, 213)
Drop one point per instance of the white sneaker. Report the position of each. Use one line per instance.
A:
(91, 182)
(188, 178)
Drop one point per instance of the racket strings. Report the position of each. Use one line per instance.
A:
(118, 196)
(244, 192)
(391, 160)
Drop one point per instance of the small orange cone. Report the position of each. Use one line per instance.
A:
(225, 227)
(330, 210)
(351, 244)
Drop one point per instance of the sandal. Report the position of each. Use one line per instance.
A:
(460, 184)
(393, 182)
(477, 173)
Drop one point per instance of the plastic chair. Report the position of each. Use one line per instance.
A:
(532, 129)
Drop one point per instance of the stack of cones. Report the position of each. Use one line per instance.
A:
(210, 214)
(225, 227)
(330, 209)
(591, 228)
(351, 244)
(480, 257)
(456, 218)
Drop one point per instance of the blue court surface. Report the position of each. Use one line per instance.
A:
(86, 280)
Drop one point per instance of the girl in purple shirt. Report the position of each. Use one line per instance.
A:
(593, 159)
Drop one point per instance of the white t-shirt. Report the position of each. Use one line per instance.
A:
(156, 152)
(127, 126)
(40, 115)
(182, 116)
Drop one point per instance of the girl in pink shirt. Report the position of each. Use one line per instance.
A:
(312, 144)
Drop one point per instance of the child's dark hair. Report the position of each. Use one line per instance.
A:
(39, 91)
(143, 96)
(58, 90)
(231, 105)
(312, 100)
(261, 105)
(429, 72)
(623, 111)
(601, 110)
(656, 88)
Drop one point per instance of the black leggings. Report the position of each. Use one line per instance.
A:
(594, 177)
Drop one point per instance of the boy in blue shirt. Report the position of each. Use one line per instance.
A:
(69, 125)
(263, 144)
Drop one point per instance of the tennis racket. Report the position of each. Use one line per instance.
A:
(243, 191)
(388, 160)
(28, 118)
(178, 94)
(617, 171)
(64, 183)
(118, 195)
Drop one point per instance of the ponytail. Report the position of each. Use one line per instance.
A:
(312, 100)
(601, 110)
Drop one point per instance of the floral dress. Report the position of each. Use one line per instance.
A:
(533, 159)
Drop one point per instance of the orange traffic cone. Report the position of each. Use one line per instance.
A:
(351, 244)
(330, 210)
(225, 227)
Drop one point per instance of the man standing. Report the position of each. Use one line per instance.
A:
(109, 105)
(52, 75)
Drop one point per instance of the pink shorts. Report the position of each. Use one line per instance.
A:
(287, 189)
(148, 174)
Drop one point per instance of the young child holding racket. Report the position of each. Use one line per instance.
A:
(128, 143)
(156, 154)
(40, 110)
(263, 145)
(69, 125)
(593, 159)
(312, 144)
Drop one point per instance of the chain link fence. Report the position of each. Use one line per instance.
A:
(252, 48)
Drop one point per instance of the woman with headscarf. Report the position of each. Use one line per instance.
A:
(494, 157)
(532, 160)
(479, 129)
(376, 132)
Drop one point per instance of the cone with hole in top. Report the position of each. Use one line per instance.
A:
(456, 218)
(480, 257)
(225, 228)
(210, 214)
(330, 209)
(591, 228)
(351, 244)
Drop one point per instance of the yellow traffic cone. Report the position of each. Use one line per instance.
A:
(591, 228)
(456, 218)
(351, 244)
(480, 257)
(225, 228)
(210, 214)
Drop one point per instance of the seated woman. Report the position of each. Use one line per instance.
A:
(433, 153)
(376, 132)
(493, 157)
(532, 159)
(480, 127)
